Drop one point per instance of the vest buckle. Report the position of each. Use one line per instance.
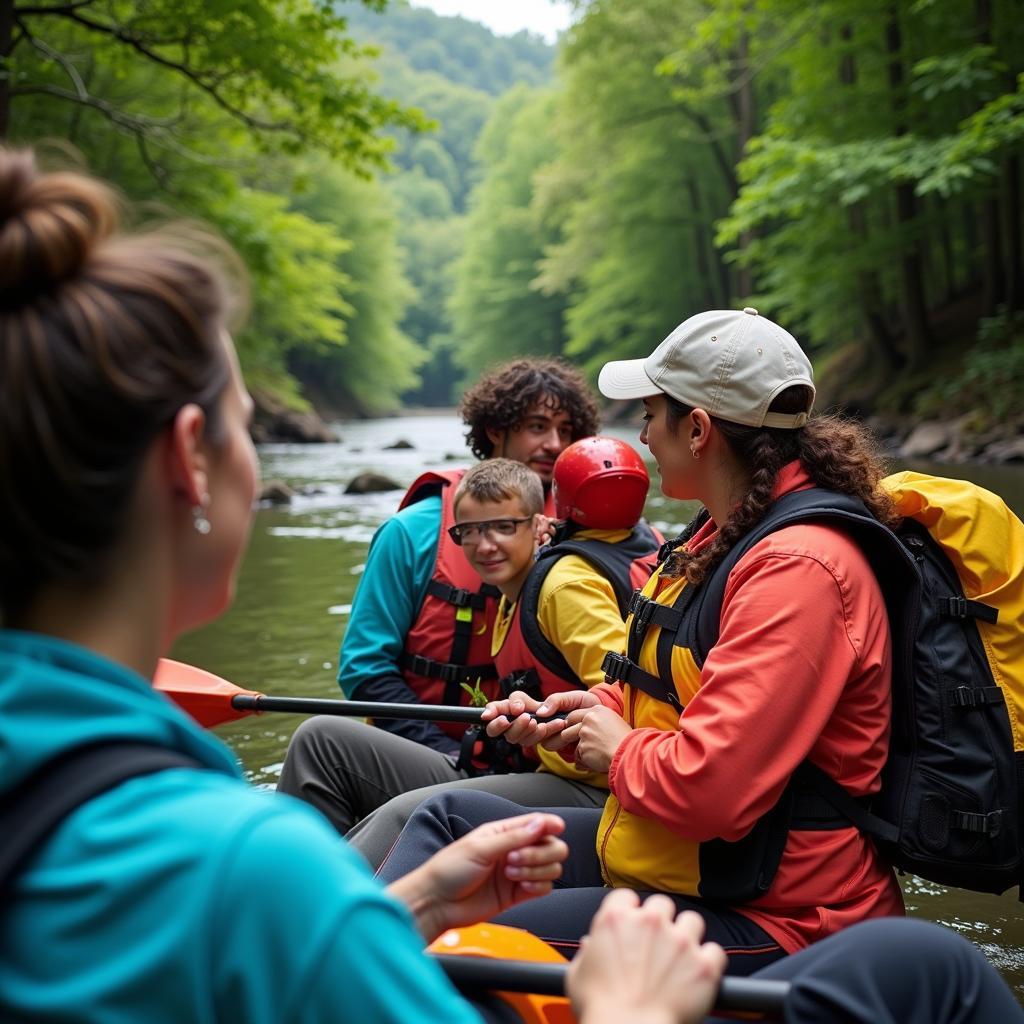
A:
(616, 666)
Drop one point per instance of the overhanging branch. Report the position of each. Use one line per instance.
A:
(198, 79)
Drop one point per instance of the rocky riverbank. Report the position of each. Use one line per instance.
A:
(952, 441)
(275, 422)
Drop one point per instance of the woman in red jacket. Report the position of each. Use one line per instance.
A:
(707, 750)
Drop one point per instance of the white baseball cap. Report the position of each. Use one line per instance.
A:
(732, 364)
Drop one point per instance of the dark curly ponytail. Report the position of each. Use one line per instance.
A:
(839, 454)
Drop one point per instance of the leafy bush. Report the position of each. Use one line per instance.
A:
(990, 377)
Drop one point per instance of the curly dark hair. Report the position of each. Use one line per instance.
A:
(838, 453)
(500, 400)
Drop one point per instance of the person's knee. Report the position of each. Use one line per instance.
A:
(322, 737)
(460, 810)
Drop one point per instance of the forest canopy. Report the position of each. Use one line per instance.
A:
(417, 198)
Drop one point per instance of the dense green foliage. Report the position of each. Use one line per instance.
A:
(850, 167)
(261, 117)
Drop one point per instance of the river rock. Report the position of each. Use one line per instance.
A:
(274, 422)
(926, 439)
(368, 483)
(399, 445)
(1010, 449)
(306, 427)
(276, 492)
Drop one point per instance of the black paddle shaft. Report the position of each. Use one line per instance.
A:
(476, 974)
(362, 709)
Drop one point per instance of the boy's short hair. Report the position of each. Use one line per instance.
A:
(500, 399)
(499, 480)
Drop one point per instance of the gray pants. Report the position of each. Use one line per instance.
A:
(367, 782)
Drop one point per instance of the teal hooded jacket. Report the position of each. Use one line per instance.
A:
(186, 895)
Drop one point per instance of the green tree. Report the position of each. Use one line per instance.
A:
(886, 185)
(645, 169)
(497, 312)
(287, 72)
(374, 361)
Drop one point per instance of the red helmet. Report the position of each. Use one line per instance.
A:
(600, 482)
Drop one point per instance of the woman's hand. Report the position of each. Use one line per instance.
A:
(512, 718)
(597, 735)
(644, 965)
(492, 868)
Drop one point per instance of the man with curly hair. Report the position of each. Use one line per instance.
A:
(421, 621)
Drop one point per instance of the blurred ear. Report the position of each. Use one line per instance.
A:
(188, 460)
(497, 438)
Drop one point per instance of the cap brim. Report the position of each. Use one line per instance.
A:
(626, 378)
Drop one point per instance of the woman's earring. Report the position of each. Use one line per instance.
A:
(199, 520)
(694, 452)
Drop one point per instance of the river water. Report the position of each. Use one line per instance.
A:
(295, 591)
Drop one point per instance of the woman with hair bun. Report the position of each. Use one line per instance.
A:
(127, 479)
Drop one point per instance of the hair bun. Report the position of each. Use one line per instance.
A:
(49, 225)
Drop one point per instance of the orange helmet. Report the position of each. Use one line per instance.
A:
(600, 482)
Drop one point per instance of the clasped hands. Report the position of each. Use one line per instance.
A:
(592, 729)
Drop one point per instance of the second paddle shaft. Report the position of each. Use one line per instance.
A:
(362, 709)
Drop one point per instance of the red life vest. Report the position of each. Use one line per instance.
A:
(450, 641)
(528, 660)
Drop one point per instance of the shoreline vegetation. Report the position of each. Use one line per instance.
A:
(953, 441)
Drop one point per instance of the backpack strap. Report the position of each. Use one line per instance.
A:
(612, 561)
(31, 813)
(890, 560)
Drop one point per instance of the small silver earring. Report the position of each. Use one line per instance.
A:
(199, 520)
(694, 453)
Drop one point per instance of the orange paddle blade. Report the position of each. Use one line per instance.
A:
(206, 697)
(506, 943)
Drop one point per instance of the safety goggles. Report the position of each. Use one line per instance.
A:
(470, 533)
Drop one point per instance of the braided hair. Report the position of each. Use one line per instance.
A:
(838, 453)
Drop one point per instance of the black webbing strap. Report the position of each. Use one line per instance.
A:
(990, 824)
(462, 636)
(621, 669)
(647, 612)
(445, 670)
(975, 696)
(460, 597)
(31, 813)
(957, 607)
(854, 809)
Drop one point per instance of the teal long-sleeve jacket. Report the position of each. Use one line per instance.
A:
(186, 895)
(399, 565)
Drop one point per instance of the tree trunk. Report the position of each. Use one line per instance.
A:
(915, 311)
(746, 117)
(702, 245)
(1014, 292)
(993, 291)
(884, 356)
(6, 45)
